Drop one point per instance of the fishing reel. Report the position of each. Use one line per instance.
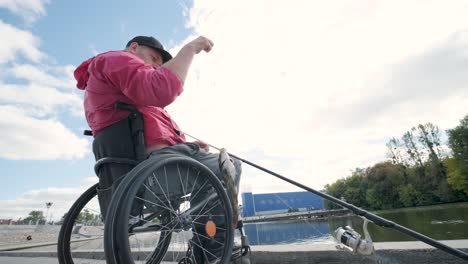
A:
(353, 240)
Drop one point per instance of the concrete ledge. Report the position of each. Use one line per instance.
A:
(26, 246)
(386, 253)
(421, 256)
(402, 245)
(37, 245)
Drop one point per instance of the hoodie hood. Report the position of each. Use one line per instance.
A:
(81, 74)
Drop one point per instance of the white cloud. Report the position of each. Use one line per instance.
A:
(17, 41)
(32, 95)
(25, 137)
(29, 10)
(39, 100)
(43, 75)
(300, 79)
(61, 198)
(411, 87)
(48, 89)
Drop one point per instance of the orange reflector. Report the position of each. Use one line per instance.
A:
(210, 228)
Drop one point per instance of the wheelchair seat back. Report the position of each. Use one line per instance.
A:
(117, 149)
(115, 141)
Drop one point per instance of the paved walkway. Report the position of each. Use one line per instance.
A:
(23, 260)
(386, 252)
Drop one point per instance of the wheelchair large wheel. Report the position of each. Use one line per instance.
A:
(81, 235)
(169, 208)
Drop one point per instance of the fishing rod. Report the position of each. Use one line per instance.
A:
(380, 221)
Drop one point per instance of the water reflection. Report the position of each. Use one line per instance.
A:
(441, 222)
(287, 232)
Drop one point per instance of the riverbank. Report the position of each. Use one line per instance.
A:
(425, 207)
(386, 252)
(318, 215)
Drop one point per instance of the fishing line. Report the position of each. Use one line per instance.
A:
(243, 160)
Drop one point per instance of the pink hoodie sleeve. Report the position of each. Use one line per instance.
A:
(81, 74)
(140, 82)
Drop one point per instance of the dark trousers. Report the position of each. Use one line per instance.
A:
(207, 158)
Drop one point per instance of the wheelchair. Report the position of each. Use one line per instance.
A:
(167, 208)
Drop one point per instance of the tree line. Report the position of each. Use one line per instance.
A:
(37, 217)
(422, 169)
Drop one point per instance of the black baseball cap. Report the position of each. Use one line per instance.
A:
(152, 43)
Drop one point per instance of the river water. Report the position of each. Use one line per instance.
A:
(441, 222)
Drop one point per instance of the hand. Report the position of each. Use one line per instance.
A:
(202, 145)
(200, 43)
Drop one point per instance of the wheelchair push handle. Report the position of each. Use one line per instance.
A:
(124, 106)
(137, 129)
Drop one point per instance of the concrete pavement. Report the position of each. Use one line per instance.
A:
(24, 260)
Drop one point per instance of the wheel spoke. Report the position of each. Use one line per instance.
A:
(205, 251)
(169, 201)
(155, 204)
(200, 215)
(177, 198)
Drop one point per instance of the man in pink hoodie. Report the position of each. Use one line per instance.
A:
(146, 76)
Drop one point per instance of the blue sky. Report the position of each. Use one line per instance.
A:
(310, 89)
(69, 33)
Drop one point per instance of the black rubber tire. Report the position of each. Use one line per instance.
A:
(64, 253)
(110, 244)
(116, 242)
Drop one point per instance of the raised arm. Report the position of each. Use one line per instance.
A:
(182, 61)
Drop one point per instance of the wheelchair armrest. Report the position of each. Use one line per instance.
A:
(103, 161)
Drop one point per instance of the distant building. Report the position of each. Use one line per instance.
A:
(7, 222)
(275, 203)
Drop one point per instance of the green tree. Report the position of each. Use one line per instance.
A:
(456, 177)
(429, 137)
(409, 196)
(412, 148)
(419, 173)
(356, 187)
(337, 190)
(352, 189)
(420, 152)
(396, 152)
(35, 216)
(86, 217)
(458, 166)
(383, 180)
(436, 173)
